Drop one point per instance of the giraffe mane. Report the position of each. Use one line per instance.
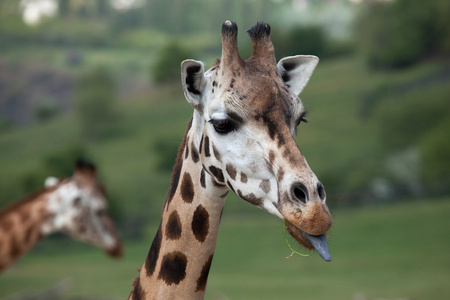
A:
(27, 199)
(177, 169)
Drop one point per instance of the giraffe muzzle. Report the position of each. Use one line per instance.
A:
(310, 241)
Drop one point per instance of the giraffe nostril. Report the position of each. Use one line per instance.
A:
(321, 191)
(299, 192)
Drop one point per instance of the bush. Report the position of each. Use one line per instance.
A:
(300, 40)
(398, 33)
(307, 40)
(404, 120)
(435, 149)
(5, 124)
(95, 100)
(166, 152)
(167, 66)
(417, 123)
(61, 162)
(47, 109)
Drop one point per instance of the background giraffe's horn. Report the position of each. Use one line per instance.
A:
(230, 53)
(262, 45)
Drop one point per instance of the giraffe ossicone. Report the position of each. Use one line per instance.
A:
(240, 138)
(76, 206)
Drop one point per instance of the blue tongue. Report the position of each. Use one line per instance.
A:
(320, 244)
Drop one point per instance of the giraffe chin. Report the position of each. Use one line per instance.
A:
(116, 252)
(309, 241)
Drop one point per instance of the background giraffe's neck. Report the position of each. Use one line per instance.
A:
(179, 259)
(21, 226)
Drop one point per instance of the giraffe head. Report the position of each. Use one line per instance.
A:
(245, 120)
(78, 207)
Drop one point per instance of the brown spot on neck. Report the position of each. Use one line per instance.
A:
(187, 188)
(200, 223)
(153, 254)
(173, 268)
(173, 226)
(138, 293)
(194, 153)
(202, 280)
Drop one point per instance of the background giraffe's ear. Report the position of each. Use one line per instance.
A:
(297, 70)
(193, 79)
(51, 182)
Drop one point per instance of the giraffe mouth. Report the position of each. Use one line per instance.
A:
(309, 241)
(115, 252)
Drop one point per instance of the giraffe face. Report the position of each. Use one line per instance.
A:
(246, 116)
(79, 208)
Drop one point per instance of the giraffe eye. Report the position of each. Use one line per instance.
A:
(302, 119)
(101, 212)
(223, 126)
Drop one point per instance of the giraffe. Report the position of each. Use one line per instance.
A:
(240, 138)
(76, 206)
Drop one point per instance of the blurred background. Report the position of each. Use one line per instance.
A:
(101, 80)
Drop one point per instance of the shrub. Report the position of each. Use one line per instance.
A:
(167, 66)
(95, 100)
(309, 40)
(46, 110)
(166, 152)
(398, 33)
(435, 149)
(60, 163)
(404, 120)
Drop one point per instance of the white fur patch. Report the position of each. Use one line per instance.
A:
(51, 182)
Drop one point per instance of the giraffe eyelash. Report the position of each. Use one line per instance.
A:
(301, 119)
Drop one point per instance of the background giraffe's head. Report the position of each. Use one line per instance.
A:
(246, 116)
(79, 208)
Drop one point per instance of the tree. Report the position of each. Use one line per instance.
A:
(167, 67)
(95, 98)
(399, 33)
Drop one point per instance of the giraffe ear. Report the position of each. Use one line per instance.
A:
(51, 182)
(297, 70)
(193, 80)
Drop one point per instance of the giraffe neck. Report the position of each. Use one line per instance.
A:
(22, 225)
(179, 259)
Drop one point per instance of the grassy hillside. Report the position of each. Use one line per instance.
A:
(339, 144)
(387, 252)
(380, 252)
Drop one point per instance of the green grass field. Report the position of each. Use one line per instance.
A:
(381, 252)
(388, 252)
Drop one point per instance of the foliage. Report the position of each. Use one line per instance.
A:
(167, 65)
(5, 124)
(14, 31)
(47, 109)
(166, 152)
(399, 33)
(407, 119)
(419, 120)
(299, 40)
(181, 17)
(307, 40)
(58, 163)
(95, 100)
(435, 149)
(61, 162)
